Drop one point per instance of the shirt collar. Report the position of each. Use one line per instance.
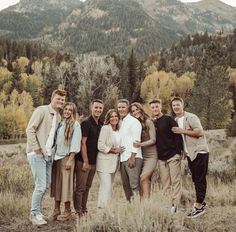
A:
(94, 122)
(126, 117)
(51, 110)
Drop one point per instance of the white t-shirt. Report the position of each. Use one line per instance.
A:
(52, 132)
(117, 139)
(180, 122)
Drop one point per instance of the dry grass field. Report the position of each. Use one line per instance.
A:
(16, 185)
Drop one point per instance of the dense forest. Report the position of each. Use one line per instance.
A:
(200, 68)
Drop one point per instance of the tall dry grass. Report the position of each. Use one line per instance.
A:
(16, 186)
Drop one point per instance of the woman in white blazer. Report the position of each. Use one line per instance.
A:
(108, 156)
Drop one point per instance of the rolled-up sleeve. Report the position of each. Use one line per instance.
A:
(32, 127)
(136, 130)
(76, 139)
(195, 123)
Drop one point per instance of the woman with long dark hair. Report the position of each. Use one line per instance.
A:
(68, 142)
(148, 145)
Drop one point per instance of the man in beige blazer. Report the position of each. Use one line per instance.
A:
(40, 138)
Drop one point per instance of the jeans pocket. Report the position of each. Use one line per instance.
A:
(33, 158)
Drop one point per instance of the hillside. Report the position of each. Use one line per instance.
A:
(210, 15)
(111, 26)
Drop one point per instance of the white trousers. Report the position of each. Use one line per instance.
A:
(105, 189)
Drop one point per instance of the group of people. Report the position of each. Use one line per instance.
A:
(66, 155)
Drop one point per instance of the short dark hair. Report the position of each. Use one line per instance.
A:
(123, 100)
(96, 100)
(176, 99)
(60, 92)
(155, 101)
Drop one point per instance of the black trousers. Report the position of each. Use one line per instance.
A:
(198, 168)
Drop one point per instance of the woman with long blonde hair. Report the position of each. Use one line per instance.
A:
(148, 145)
(68, 142)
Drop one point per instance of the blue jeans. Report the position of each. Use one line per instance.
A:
(41, 170)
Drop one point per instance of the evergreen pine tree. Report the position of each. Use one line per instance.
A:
(50, 83)
(232, 50)
(133, 80)
(210, 96)
(16, 79)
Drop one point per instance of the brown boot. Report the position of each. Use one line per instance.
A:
(65, 216)
(54, 215)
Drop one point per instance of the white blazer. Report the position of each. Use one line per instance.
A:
(106, 162)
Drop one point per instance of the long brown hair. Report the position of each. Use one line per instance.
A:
(108, 116)
(144, 116)
(70, 123)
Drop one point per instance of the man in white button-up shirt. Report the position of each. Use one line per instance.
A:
(131, 158)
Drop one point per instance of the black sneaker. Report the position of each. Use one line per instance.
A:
(195, 212)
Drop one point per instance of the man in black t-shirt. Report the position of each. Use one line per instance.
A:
(169, 147)
(85, 165)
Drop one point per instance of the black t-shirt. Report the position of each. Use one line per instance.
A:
(91, 130)
(168, 143)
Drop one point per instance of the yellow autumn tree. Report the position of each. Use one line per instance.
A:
(25, 102)
(232, 75)
(15, 114)
(21, 121)
(184, 84)
(23, 62)
(13, 121)
(3, 98)
(164, 85)
(5, 80)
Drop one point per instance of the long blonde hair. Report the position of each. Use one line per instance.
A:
(70, 123)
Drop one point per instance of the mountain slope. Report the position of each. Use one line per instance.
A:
(44, 5)
(112, 26)
(211, 15)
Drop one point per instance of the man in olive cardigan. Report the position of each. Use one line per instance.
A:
(196, 149)
(40, 138)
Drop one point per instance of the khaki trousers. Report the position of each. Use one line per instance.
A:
(170, 175)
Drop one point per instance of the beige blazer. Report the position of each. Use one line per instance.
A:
(39, 127)
(106, 162)
(194, 145)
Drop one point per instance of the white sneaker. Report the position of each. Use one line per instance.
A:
(173, 209)
(43, 216)
(37, 219)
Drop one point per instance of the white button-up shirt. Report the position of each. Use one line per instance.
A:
(51, 135)
(130, 131)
